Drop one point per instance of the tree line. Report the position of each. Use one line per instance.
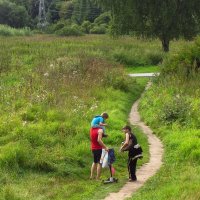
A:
(163, 19)
(21, 13)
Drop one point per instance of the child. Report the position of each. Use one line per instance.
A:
(99, 122)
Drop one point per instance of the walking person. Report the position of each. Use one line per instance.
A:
(96, 135)
(133, 153)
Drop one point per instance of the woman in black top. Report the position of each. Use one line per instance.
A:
(132, 159)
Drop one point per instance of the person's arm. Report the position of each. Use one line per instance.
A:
(103, 124)
(99, 139)
(126, 142)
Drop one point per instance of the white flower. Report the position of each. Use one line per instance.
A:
(75, 97)
(74, 72)
(46, 74)
(24, 123)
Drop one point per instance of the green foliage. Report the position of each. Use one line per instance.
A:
(104, 18)
(186, 64)
(48, 97)
(8, 31)
(170, 107)
(13, 15)
(131, 55)
(163, 19)
(73, 30)
(65, 28)
(86, 26)
(175, 110)
(21, 13)
(100, 25)
(100, 29)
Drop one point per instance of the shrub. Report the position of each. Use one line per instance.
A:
(137, 56)
(99, 29)
(58, 26)
(176, 109)
(73, 30)
(186, 63)
(155, 57)
(86, 26)
(9, 31)
(104, 18)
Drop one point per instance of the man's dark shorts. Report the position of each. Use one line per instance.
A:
(97, 155)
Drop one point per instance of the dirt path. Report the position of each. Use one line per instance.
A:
(147, 170)
(145, 74)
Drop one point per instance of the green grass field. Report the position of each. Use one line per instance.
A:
(50, 88)
(171, 108)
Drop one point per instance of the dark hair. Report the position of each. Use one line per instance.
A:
(105, 115)
(127, 127)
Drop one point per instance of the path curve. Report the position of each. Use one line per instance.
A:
(148, 169)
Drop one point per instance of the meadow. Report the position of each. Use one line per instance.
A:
(171, 108)
(50, 88)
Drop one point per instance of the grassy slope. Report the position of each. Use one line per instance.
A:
(27, 61)
(179, 177)
(44, 152)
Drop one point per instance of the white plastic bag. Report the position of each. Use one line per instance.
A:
(104, 158)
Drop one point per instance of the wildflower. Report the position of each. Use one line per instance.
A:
(24, 123)
(75, 97)
(75, 72)
(46, 74)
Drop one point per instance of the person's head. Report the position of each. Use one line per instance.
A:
(126, 129)
(105, 115)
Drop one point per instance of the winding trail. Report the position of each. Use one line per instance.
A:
(148, 169)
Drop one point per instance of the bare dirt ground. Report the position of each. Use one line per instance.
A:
(147, 170)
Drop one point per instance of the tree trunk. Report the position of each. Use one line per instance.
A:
(165, 44)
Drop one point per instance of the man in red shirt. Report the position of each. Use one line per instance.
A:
(97, 145)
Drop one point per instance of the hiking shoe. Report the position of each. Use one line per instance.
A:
(132, 180)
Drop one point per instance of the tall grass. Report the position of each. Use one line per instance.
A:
(171, 107)
(50, 88)
(9, 31)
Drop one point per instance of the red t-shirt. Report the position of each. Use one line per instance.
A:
(94, 137)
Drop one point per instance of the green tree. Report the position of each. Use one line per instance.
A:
(66, 10)
(165, 19)
(13, 15)
(85, 10)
